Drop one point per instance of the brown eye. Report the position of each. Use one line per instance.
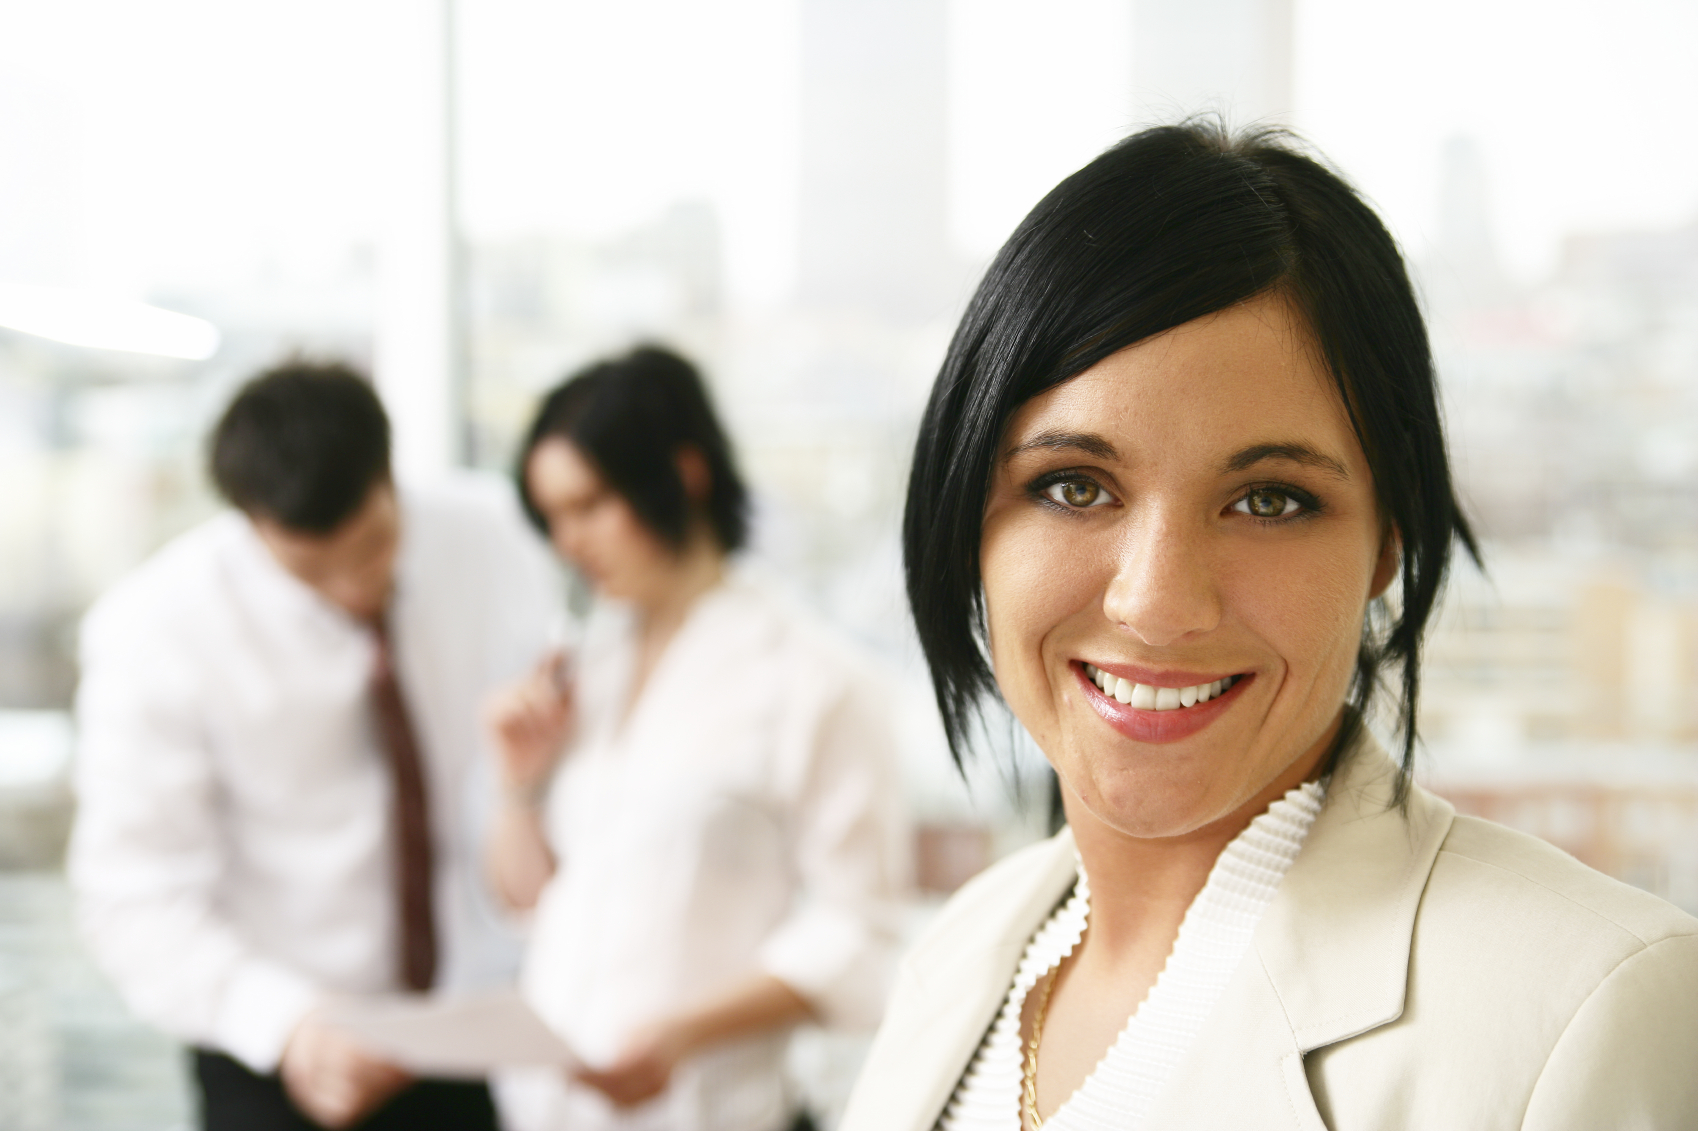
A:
(1267, 503)
(1077, 493)
(1080, 494)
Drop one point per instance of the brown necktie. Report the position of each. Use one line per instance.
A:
(412, 819)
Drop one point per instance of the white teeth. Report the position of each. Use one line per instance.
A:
(1144, 697)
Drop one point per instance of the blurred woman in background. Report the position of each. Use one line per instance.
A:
(1185, 439)
(720, 852)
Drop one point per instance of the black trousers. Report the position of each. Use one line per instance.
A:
(233, 1098)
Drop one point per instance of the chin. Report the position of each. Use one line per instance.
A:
(612, 591)
(1159, 819)
(1151, 801)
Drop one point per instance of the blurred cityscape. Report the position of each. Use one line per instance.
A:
(1562, 685)
(1561, 692)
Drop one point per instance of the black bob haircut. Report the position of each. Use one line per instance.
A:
(630, 416)
(1169, 225)
(302, 444)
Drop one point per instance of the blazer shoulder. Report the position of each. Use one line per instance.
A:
(1537, 872)
(1035, 875)
(1528, 988)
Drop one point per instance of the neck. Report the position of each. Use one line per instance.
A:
(1143, 886)
(700, 566)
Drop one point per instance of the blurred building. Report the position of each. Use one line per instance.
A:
(1562, 686)
(874, 144)
(543, 304)
(1558, 648)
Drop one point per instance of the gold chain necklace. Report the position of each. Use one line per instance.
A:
(1029, 1071)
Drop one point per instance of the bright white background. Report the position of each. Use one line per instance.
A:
(150, 143)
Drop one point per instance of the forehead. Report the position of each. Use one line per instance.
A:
(557, 470)
(1249, 375)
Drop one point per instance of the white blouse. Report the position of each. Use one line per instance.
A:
(1212, 941)
(744, 817)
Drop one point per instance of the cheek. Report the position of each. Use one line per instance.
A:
(1307, 604)
(384, 567)
(626, 540)
(1034, 579)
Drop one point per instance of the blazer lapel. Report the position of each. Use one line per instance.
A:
(1330, 958)
(950, 993)
(1336, 939)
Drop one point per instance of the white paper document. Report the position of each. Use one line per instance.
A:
(460, 1036)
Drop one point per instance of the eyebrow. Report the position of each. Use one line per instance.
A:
(1098, 447)
(1292, 452)
(1058, 441)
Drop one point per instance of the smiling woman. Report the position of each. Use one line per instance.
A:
(1185, 440)
(1192, 510)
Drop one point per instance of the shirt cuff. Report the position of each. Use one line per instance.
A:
(834, 960)
(261, 1006)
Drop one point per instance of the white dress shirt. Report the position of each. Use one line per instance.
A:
(232, 855)
(744, 817)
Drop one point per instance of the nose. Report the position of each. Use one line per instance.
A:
(1164, 588)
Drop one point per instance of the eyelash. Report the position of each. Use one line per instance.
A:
(1039, 489)
(1309, 505)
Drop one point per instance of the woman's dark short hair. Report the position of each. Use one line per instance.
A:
(630, 416)
(303, 444)
(1171, 224)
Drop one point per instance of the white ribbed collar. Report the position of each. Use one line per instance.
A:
(1212, 940)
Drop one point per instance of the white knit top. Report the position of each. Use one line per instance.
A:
(1212, 940)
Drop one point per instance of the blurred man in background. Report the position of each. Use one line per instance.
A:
(280, 785)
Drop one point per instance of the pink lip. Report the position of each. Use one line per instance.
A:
(1158, 726)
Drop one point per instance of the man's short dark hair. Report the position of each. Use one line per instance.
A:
(302, 444)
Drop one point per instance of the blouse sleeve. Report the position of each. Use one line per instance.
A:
(146, 854)
(850, 846)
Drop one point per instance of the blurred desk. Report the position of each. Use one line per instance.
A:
(71, 1056)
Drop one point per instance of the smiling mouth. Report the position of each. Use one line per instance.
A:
(1145, 697)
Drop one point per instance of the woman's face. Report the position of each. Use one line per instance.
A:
(593, 526)
(1193, 509)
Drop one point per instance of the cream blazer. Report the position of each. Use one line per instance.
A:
(1416, 969)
